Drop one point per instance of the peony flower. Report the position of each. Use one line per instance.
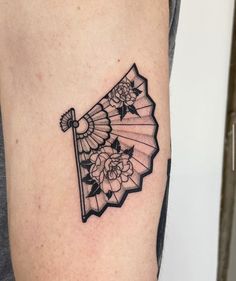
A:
(121, 95)
(110, 168)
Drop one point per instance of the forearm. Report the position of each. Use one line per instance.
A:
(58, 56)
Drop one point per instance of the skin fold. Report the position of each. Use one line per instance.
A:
(55, 55)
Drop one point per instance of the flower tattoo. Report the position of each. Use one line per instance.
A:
(108, 168)
(123, 97)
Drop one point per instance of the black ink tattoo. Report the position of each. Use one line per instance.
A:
(112, 154)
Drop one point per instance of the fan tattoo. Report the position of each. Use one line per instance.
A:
(115, 143)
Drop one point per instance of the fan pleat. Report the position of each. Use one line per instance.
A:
(136, 138)
(101, 134)
(142, 102)
(132, 184)
(93, 144)
(103, 121)
(80, 146)
(85, 187)
(85, 145)
(97, 108)
(145, 121)
(102, 128)
(132, 75)
(134, 129)
(143, 112)
(99, 115)
(97, 138)
(102, 200)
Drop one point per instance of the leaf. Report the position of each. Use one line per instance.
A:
(137, 91)
(94, 190)
(133, 110)
(109, 194)
(122, 111)
(116, 145)
(129, 151)
(88, 179)
(86, 164)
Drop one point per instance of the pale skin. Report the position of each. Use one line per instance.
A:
(60, 54)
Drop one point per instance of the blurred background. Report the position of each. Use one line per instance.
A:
(201, 225)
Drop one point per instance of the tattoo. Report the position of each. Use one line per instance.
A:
(162, 223)
(112, 154)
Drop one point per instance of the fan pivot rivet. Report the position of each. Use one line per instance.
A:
(75, 124)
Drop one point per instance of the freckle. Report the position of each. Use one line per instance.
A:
(17, 141)
(118, 60)
(41, 245)
(78, 8)
(39, 206)
(39, 76)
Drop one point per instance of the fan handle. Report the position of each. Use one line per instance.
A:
(74, 124)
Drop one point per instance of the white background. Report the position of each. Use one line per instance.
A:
(198, 104)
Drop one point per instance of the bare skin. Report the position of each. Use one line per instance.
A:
(55, 55)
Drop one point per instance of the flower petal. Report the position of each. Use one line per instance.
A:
(113, 103)
(116, 99)
(103, 156)
(112, 175)
(105, 186)
(98, 161)
(124, 178)
(96, 173)
(126, 168)
(115, 156)
(107, 164)
(129, 172)
(115, 185)
(132, 95)
(129, 102)
(108, 150)
(93, 157)
(101, 178)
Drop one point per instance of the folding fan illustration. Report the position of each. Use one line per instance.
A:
(115, 143)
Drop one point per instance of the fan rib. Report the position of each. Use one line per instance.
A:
(133, 124)
(100, 128)
(140, 163)
(140, 84)
(134, 182)
(103, 135)
(112, 191)
(97, 202)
